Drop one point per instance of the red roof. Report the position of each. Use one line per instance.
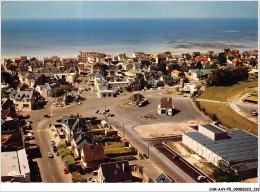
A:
(93, 152)
(201, 58)
(17, 59)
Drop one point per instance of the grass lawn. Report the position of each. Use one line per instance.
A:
(115, 147)
(228, 117)
(224, 92)
(93, 127)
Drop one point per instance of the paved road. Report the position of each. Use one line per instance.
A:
(51, 169)
(242, 106)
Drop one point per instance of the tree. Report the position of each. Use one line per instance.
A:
(7, 78)
(77, 177)
(221, 59)
(162, 66)
(226, 172)
(69, 162)
(174, 67)
(143, 83)
(199, 66)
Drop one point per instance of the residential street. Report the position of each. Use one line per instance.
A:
(51, 169)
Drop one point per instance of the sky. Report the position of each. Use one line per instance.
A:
(129, 9)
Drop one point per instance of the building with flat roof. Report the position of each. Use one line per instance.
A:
(15, 167)
(236, 146)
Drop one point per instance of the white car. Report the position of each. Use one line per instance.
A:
(201, 177)
(50, 155)
(79, 103)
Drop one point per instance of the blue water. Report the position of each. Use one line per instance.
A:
(39, 37)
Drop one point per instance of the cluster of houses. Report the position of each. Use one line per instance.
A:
(111, 75)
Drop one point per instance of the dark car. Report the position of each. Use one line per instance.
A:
(47, 116)
(57, 153)
(54, 148)
(175, 157)
(27, 116)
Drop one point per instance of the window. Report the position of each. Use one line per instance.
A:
(25, 105)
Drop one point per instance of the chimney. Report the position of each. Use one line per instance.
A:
(123, 167)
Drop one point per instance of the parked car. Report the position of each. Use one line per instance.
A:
(201, 177)
(52, 143)
(254, 112)
(57, 153)
(65, 170)
(47, 116)
(54, 148)
(27, 116)
(50, 155)
(112, 115)
(175, 157)
(97, 111)
(107, 110)
(79, 103)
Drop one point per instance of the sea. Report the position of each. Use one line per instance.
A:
(66, 37)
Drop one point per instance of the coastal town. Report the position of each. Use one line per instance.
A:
(143, 118)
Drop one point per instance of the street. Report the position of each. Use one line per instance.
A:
(52, 169)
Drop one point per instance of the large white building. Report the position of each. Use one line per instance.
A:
(214, 143)
(15, 167)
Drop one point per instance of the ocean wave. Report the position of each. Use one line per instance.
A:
(230, 31)
(204, 45)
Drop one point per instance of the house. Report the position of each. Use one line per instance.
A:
(114, 172)
(226, 51)
(78, 140)
(72, 124)
(163, 178)
(92, 155)
(23, 100)
(45, 90)
(166, 106)
(237, 62)
(11, 136)
(197, 74)
(176, 74)
(15, 167)
(136, 98)
(190, 88)
(104, 91)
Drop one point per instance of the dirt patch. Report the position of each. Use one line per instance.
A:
(166, 129)
(190, 156)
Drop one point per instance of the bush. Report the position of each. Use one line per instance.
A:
(69, 162)
(64, 152)
(77, 177)
(62, 145)
(103, 139)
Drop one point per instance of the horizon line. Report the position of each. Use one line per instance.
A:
(135, 18)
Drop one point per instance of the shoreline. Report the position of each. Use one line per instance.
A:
(72, 54)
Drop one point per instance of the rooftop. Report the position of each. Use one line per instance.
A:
(213, 128)
(239, 146)
(14, 163)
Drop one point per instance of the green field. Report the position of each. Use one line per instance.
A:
(228, 117)
(115, 147)
(224, 92)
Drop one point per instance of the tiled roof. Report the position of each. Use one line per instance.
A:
(116, 172)
(136, 97)
(166, 102)
(93, 152)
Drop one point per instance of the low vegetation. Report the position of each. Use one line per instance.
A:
(66, 156)
(116, 147)
(225, 92)
(225, 77)
(104, 139)
(227, 117)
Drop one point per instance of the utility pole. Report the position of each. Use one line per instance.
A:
(105, 114)
(148, 151)
(123, 130)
